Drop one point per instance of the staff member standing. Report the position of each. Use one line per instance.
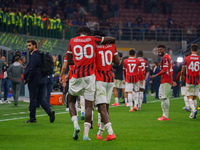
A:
(36, 81)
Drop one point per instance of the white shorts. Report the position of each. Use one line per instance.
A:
(119, 84)
(164, 90)
(83, 86)
(192, 90)
(183, 90)
(142, 86)
(132, 86)
(103, 92)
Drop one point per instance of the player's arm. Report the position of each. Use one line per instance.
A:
(104, 40)
(183, 73)
(70, 60)
(116, 59)
(147, 73)
(64, 67)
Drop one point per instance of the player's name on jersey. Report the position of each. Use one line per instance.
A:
(83, 40)
(104, 46)
(195, 58)
(131, 60)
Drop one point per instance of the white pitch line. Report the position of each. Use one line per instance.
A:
(68, 112)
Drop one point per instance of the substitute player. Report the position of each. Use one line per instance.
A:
(192, 65)
(166, 73)
(105, 55)
(131, 68)
(145, 72)
(81, 52)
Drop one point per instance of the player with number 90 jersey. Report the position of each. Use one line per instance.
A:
(131, 66)
(192, 64)
(83, 50)
(104, 58)
(166, 64)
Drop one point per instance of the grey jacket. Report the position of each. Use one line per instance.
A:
(15, 72)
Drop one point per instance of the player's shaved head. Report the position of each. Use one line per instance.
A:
(140, 54)
(84, 31)
(99, 33)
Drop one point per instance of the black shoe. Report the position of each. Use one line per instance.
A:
(15, 104)
(29, 121)
(122, 102)
(52, 116)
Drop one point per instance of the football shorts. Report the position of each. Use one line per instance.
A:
(183, 90)
(164, 90)
(119, 84)
(103, 92)
(83, 86)
(129, 87)
(192, 90)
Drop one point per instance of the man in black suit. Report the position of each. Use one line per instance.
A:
(36, 81)
(176, 89)
(156, 81)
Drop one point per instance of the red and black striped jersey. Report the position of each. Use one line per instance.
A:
(71, 67)
(192, 64)
(132, 66)
(83, 50)
(144, 65)
(166, 64)
(104, 58)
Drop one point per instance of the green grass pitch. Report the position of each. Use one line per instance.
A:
(134, 130)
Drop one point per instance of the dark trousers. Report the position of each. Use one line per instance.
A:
(48, 89)
(5, 87)
(156, 86)
(176, 90)
(36, 94)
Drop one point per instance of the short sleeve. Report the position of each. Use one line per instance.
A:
(184, 62)
(98, 39)
(115, 50)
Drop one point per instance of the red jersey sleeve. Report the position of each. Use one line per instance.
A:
(98, 39)
(65, 57)
(184, 62)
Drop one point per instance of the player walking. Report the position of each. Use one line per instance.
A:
(192, 65)
(166, 73)
(81, 52)
(131, 68)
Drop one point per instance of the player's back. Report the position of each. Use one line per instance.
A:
(104, 59)
(83, 51)
(192, 64)
(166, 62)
(144, 65)
(132, 66)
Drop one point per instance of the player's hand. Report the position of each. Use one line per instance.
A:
(66, 77)
(123, 81)
(174, 83)
(60, 80)
(153, 77)
(182, 78)
(141, 82)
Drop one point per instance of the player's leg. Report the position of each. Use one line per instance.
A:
(164, 92)
(82, 101)
(192, 93)
(89, 91)
(136, 95)
(116, 103)
(74, 90)
(129, 89)
(141, 94)
(125, 97)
